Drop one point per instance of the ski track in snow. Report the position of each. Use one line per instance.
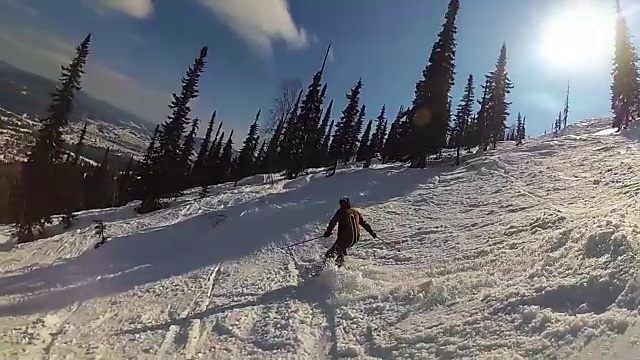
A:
(521, 252)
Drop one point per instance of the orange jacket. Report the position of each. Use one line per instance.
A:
(349, 221)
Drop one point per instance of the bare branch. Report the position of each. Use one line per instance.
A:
(282, 104)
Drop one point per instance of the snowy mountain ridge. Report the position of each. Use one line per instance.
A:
(522, 252)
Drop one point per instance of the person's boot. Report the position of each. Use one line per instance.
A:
(340, 260)
(328, 255)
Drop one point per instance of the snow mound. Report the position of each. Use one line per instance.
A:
(522, 252)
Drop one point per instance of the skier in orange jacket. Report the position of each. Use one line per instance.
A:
(349, 221)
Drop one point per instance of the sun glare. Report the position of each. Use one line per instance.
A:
(579, 35)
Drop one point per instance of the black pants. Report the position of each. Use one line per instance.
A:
(340, 247)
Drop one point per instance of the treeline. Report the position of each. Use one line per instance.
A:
(54, 181)
(625, 85)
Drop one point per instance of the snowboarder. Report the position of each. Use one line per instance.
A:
(349, 221)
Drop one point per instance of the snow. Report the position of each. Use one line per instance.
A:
(522, 252)
(606, 131)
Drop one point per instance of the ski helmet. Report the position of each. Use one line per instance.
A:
(345, 201)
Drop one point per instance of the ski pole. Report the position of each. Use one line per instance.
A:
(303, 241)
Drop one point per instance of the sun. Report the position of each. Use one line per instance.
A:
(578, 35)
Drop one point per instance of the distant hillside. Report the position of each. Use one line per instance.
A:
(25, 92)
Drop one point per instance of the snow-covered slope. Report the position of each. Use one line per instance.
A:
(527, 252)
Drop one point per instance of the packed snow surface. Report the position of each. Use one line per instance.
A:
(522, 252)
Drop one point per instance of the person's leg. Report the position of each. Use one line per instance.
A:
(331, 252)
(340, 258)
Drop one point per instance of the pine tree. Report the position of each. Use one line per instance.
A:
(77, 148)
(269, 161)
(290, 136)
(186, 154)
(326, 142)
(518, 131)
(464, 112)
(38, 183)
(211, 164)
(304, 140)
(377, 139)
(363, 149)
(321, 152)
(260, 154)
(124, 184)
(343, 146)
(199, 163)
(565, 111)
(557, 126)
(481, 135)
(146, 184)
(498, 109)
(99, 178)
(625, 86)
(394, 148)
(246, 158)
(226, 160)
(357, 129)
(171, 173)
(73, 177)
(429, 112)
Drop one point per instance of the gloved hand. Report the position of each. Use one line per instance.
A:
(374, 235)
(327, 234)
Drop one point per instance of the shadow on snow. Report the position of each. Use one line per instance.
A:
(142, 258)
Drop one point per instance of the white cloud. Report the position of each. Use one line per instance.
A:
(43, 53)
(260, 22)
(135, 8)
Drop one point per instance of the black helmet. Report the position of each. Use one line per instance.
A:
(345, 201)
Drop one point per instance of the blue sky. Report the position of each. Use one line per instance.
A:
(141, 49)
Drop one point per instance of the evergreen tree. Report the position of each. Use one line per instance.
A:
(290, 136)
(171, 173)
(211, 165)
(124, 184)
(246, 158)
(498, 110)
(77, 148)
(147, 186)
(557, 126)
(199, 163)
(464, 112)
(269, 162)
(326, 142)
(625, 86)
(38, 184)
(260, 155)
(363, 149)
(357, 130)
(304, 138)
(73, 177)
(481, 135)
(565, 111)
(186, 154)
(429, 112)
(210, 161)
(321, 152)
(377, 139)
(343, 146)
(395, 147)
(226, 160)
(519, 131)
(99, 178)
